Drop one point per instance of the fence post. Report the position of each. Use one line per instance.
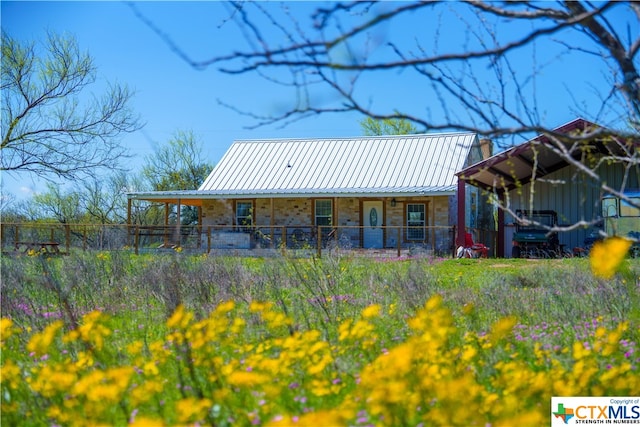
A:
(165, 233)
(284, 240)
(67, 237)
(453, 236)
(135, 240)
(398, 240)
(319, 241)
(433, 240)
(208, 239)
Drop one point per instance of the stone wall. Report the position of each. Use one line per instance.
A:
(298, 213)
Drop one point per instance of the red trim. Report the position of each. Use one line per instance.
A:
(461, 212)
(501, 234)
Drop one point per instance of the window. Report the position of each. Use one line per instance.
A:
(244, 215)
(324, 212)
(628, 209)
(416, 221)
(609, 207)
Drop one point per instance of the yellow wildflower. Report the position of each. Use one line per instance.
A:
(145, 392)
(607, 255)
(180, 318)
(225, 307)
(135, 348)
(275, 319)
(51, 379)
(104, 393)
(319, 363)
(344, 330)
(392, 308)
(247, 378)
(86, 383)
(150, 368)
(84, 360)
(502, 328)
(40, 342)
(373, 310)
(146, 422)
(192, 409)
(91, 330)
(320, 387)
(159, 352)
(120, 376)
(579, 350)
(6, 329)
(256, 307)
(322, 418)
(468, 353)
(60, 415)
(237, 326)
(11, 374)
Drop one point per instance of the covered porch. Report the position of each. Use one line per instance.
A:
(393, 222)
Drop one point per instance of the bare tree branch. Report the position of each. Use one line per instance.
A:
(51, 125)
(487, 81)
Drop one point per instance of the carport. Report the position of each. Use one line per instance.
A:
(578, 143)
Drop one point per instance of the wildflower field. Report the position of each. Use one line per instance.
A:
(111, 338)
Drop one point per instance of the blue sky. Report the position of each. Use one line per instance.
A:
(172, 96)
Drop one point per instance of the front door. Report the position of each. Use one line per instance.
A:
(372, 219)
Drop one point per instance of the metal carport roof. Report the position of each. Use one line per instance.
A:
(543, 155)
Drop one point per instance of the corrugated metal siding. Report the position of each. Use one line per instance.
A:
(572, 195)
(420, 163)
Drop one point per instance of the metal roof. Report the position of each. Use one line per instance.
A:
(379, 165)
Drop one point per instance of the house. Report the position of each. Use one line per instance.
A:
(561, 173)
(363, 192)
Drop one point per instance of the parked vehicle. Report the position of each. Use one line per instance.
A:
(622, 218)
(533, 237)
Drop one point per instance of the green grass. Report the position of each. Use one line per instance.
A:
(314, 292)
(545, 308)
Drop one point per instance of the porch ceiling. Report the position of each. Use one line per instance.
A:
(514, 167)
(171, 200)
(197, 197)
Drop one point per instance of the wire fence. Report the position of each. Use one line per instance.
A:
(20, 238)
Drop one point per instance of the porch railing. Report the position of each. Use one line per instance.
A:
(63, 238)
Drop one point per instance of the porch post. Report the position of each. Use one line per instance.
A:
(178, 225)
(272, 222)
(500, 243)
(128, 211)
(336, 220)
(200, 225)
(165, 231)
(128, 221)
(461, 212)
